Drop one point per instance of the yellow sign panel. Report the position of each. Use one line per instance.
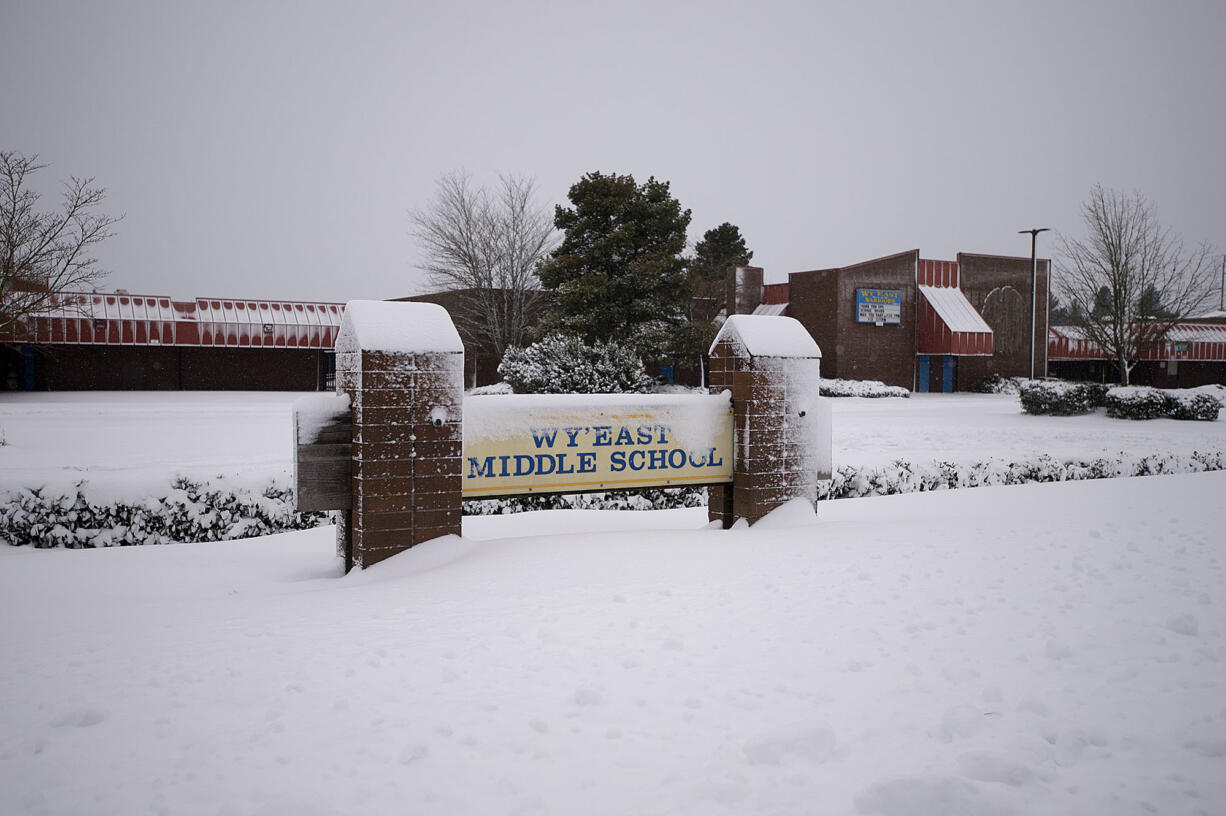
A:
(557, 443)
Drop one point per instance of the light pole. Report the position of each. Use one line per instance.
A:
(1034, 286)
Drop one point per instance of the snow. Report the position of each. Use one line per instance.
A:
(967, 428)
(397, 326)
(317, 411)
(128, 445)
(1017, 650)
(769, 336)
(693, 419)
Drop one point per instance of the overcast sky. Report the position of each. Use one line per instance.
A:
(273, 150)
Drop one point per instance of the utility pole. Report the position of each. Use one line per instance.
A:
(1034, 287)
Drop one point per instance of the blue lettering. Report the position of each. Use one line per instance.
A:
(664, 429)
(624, 434)
(699, 463)
(562, 464)
(617, 461)
(541, 460)
(480, 470)
(604, 435)
(571, 433)
(644, 434)
(587, 462)
(672, 458)
(655, 459)
(713, 461)
(640, 455)
(523, 465)
(547, 436)
(504, 459)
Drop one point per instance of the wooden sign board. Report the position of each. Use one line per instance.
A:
(323, 453)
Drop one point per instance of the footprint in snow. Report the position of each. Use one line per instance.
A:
(80, 718)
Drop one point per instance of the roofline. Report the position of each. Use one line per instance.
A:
(999, 257)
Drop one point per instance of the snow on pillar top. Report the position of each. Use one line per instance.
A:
(768, 336)
(397, 326)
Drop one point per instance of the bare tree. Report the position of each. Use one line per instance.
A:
(485, 247)
(1131, 279)
(45, 252)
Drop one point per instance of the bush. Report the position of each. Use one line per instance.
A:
(905, 477)
(1197, 406)
(188, 512)
(651, 498)
(1136, 402)
(1060, 398)
(566, 365)
(859, 388)
(996, 384)
(1143, 402)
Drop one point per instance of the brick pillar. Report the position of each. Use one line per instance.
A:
(402, 365)
(780, 423)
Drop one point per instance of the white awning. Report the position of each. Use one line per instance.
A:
(954, 309)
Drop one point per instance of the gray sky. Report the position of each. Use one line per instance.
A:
(272, 150)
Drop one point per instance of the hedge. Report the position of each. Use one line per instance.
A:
(190, 512)
(1060, 398)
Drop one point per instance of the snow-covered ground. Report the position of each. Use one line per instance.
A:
(126, 443)
(1045, 649)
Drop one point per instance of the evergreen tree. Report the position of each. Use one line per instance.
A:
(618, 273)
(720, 249)
(1150, 303)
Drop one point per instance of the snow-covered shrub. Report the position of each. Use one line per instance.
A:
(566, 365)
(907, 477)
(859, 388)
(486, 390)
(1060, 398)
(1136, 402)
(1190, 404)
(652, 498)
(996, 384)
(188, 512)
(1143, 402)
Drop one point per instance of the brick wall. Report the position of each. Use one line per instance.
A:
(153, 368)
(824, 301)
(1000, 290)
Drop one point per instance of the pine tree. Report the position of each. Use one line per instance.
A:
(618, 273)
(719, 250)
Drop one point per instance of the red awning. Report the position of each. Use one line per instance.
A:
(949, 324)
(151, 320)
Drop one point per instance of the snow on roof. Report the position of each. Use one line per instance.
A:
(954, 309)
(769, 336)
(771, 309)
(399, 326)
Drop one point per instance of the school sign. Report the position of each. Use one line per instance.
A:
(573, 443)
(399, 447)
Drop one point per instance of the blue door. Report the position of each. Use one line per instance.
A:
(924, 373)
(947, 374)
(27, 356)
